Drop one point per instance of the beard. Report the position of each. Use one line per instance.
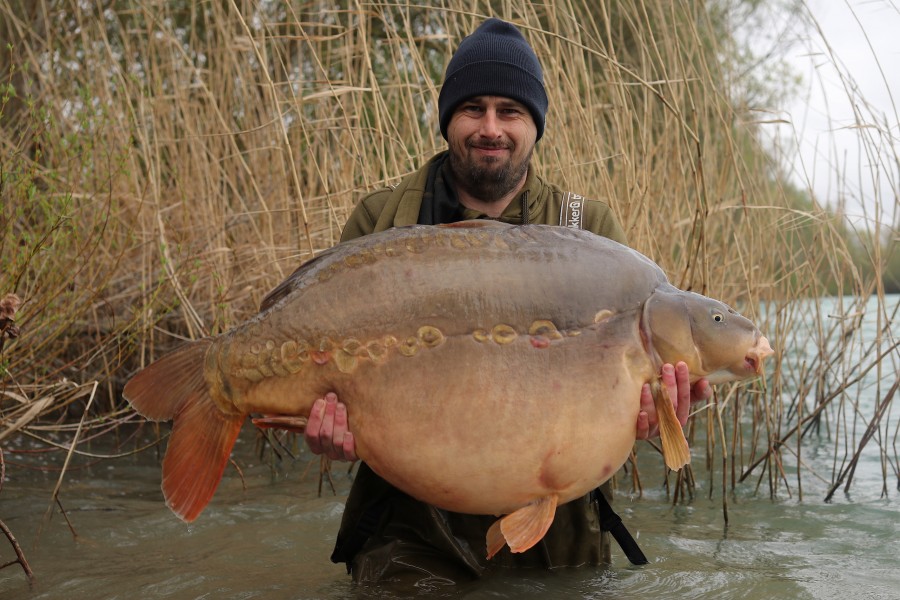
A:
(489, 179)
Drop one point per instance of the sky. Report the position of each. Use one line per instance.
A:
(843, 126)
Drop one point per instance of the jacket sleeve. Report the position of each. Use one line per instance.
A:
(364, 217)
(602, 221)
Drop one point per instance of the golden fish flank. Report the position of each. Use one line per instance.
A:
(427, 337)
(262, 360)
(602, 315)
(481, 336)
(416, 245)
(352, 346)
(503, 334)
(294, 354)
(377, 351)
(545, 329)
(430, 336)
(344, 361)
(542, 330)
(363, 258)
(410, 346)
(460, 243)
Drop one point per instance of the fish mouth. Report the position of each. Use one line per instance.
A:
(757, 355)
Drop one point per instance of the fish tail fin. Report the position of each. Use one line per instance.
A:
(158, 391)
(523, 528)
(174, 388)
(676, 450)
(198, 451)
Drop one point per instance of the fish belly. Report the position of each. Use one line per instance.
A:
(483, 427)
(495, 438)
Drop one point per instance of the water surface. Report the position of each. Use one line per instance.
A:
(273, 540)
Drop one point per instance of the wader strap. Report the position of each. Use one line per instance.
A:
(571, 211)
(610, 521)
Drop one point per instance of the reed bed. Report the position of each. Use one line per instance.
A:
(164, 164)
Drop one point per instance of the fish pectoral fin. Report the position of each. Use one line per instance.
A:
(290, 423)
(199, 447)
(676, 450)
(523, 528)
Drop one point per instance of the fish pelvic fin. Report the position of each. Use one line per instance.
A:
(676, 451)
(174, 388)
(523, 528)
(291, 423)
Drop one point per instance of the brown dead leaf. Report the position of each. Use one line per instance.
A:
(8, 306)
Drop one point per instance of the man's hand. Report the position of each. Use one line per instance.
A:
(677, 381)
(327, 430)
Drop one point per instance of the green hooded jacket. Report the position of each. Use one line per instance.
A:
(547, 204)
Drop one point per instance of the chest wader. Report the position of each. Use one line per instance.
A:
(368, 520)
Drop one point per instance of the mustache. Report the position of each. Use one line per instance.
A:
(496, 145)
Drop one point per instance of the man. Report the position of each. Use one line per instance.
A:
(492, 108)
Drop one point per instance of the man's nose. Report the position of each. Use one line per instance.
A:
(490, 125)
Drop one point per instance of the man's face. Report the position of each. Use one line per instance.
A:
(491, 139)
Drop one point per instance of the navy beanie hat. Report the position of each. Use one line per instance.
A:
(494, 61)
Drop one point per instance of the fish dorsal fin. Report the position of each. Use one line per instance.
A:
(287, 286)
(523, 528)
(676, 450)
(474, 224)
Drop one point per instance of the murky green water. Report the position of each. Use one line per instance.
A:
(273, 539)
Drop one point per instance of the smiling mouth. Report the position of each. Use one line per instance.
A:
(494, 157)
(486, 148)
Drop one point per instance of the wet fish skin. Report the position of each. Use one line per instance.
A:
(486, 368)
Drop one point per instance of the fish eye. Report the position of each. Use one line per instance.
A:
(718, 317)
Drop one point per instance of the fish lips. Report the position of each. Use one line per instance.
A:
(757, 355)
(753, 364)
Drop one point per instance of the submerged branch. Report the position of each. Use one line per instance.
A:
(20, 556)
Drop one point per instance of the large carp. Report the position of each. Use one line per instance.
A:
(486, 368)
